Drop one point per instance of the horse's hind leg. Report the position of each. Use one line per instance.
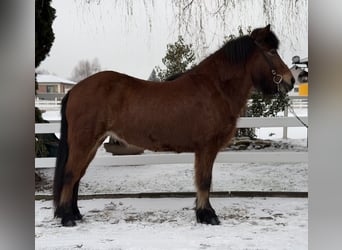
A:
(80, 156)
(76, 212)
(204, 161)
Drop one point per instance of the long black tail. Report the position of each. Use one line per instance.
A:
(62, 154)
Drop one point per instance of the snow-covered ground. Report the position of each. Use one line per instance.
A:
(247, 223)
(179, 178)
(170, 223)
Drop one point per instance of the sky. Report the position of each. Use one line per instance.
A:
(121, 43)
(133, 40)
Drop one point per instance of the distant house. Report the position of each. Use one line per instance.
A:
(301, 83)
(295, 72)
(51, 86)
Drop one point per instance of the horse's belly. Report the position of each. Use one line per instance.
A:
(160, 140)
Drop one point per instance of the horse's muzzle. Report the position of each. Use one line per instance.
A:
(286, 86)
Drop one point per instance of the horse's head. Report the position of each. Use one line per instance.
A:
(269, 72)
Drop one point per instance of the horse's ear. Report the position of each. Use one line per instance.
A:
(260, 33)
(268, 28)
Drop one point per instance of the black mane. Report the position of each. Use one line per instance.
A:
(238, 50)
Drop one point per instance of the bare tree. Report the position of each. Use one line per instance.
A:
(43, 72)
(85, 68)
(202, 22)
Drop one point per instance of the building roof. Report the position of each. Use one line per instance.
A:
(41, 78)
(304, 60)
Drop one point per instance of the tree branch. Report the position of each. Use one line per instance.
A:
(188, 5)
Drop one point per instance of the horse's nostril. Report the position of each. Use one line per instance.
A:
(293, 80)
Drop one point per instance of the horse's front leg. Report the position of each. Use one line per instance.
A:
(204, 161)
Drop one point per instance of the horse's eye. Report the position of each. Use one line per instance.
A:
(272, 52)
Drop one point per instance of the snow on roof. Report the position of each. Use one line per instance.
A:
(52, 78)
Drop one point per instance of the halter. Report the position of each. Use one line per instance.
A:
(276, 77)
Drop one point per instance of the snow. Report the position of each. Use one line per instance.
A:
(248, 223)
(170, 223)
(42, 78)
(179, 178)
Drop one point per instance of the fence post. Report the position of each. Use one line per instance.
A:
(286, 113)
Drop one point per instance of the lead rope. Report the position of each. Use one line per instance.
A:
(289, 106)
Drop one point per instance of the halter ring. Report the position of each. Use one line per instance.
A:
(277, 79)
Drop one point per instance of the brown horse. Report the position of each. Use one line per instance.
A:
(195, 112)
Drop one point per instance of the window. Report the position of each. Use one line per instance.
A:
(51, 89)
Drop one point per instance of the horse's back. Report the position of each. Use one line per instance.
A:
(100, 80)
(104, 86)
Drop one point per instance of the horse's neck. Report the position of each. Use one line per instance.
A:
(232, 82)
(236, 92)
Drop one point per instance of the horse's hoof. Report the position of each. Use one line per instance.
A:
(207, 216)
(78, 216)
(214, 221)
(67, 222)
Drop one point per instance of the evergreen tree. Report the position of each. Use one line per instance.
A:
(153, 76)
(179, 58)
(44, 37)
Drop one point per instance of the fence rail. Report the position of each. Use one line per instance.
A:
(48, 104)
(243, 122)
(48, 101)
(173, 158)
